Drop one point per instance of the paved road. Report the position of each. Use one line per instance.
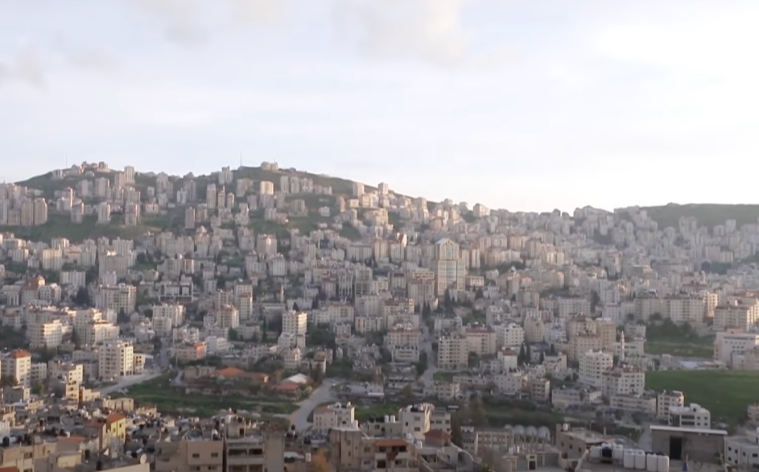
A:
(323, 394)
(130, 380)
(427, 339)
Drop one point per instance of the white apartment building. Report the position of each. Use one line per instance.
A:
(736, 313)
(115, 360)
(450, 269)
(17, 365)
(227, 316)
(47, 335)
(685, 309)
(119, 298)
(623, 380)
(295, 323)
(511, 335)
(727, 344)
(453, 353)
(334, 416)
(415, 419)
(691, 416)
(593, 364)
(743, 451)
(400, 336)
(667, 399)
(481, 341)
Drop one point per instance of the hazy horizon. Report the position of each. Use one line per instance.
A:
(519, 105)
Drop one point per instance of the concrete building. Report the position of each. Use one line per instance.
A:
(691, 416)
(593, 364)
(115, 360)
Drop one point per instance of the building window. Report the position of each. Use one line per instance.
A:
(195, 455)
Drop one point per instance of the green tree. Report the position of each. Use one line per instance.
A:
(522, 356)
(82, 297)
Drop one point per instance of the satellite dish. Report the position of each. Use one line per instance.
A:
(143, 459)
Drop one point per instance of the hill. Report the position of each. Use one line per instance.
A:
(707, 214)
(59, 225)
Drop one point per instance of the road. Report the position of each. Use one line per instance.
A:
(323, 394)
(427, 339)
(130, 380)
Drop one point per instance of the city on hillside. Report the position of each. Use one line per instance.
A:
(269, 319)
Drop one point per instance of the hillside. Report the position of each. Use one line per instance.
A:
(707, 214)
(172, 219)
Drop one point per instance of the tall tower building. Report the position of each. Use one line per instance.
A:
(450, 270)
(40, 211)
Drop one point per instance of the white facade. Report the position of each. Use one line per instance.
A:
(593, 364)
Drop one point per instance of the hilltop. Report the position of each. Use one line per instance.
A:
(52, 184)
(707, 214)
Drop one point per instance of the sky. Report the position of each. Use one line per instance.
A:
(523, 105)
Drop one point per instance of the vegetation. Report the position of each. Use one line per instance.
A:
(60, 226)
(363, 413)
(172, 400)
(726, 393)
(706, 214)
(665, 337)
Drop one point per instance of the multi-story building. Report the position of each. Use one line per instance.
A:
(623, 380)
(691, 416)
(729, 343)
(115, 360)
(449, 268)
(667, 399)
(295, 323)
(121, 298)
(453, 352)
(593, 364)
(736, 313)
(332, 416)
(17, 365)
(481, 340)
(227, 316)
(47, 335)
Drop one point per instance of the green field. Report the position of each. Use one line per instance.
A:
(60, 226)
(680, 349)
(172, 400)
(725, 393)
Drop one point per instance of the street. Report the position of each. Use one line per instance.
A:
(323, 394)
(428, 375)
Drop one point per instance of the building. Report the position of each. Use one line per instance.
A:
(691, 416)
(45, 335)
(593, 364)
(115, 360)
(227, 316)
(729, 343)
(623, 380)
(17, 365)
(453, 353)
(697, 444)
(667, 399)
(449, 267)
(295, 323)
(332, 416)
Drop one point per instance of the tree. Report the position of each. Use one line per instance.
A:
(8, 381)
(122, 317)
(76, 339)
(522, 356)
(233, 335)
(296, 307)
(82, 297)
(528, 354)
(552, 350)
(595, 299)
(480, 294)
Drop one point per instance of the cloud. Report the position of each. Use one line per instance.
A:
(430, 29)
(256, 11)
(180, 20)
(24, 67)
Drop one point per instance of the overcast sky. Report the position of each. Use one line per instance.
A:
(525, 105)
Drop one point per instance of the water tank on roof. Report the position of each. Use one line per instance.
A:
(595, 453)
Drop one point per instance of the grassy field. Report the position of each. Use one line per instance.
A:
(680, 349)
(172, 400)
(60, 226)
(365, 412)
(726, 393)
(706, 214)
